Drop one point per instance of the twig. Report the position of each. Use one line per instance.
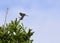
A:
(5, 18)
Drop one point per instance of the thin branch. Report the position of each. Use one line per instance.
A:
(5, 17)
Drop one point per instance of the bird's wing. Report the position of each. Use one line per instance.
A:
(21, 14)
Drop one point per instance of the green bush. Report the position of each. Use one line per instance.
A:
(15, 32)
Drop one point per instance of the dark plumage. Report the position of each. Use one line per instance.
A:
(22, 15)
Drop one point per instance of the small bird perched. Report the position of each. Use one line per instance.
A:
(22, 15)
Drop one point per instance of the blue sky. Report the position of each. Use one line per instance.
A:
(44, 17)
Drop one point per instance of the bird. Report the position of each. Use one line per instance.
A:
(22, 15)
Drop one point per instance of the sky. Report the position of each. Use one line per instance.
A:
(43, 17)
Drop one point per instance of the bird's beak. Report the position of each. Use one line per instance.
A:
(26, 15)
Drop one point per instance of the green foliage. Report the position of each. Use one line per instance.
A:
(15, 33)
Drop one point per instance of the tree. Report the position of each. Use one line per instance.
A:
(15, 32)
